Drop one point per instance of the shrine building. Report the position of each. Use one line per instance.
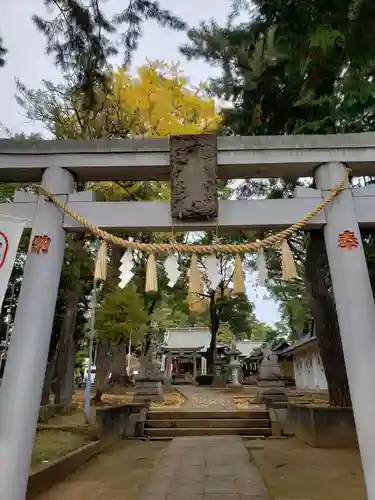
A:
(184, 352)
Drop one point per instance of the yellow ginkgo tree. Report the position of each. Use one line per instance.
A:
(162, 101)
(157, 100)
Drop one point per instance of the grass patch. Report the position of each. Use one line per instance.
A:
(292, 469)
(119, 471)
(52, 444)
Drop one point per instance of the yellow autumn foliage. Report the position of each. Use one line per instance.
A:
(156, 101)
(162, 102)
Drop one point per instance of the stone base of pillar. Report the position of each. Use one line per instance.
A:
(167, 384)
(148, 389)
(271, 393)
(218, 380)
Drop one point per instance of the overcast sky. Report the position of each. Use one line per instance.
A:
(26, 60)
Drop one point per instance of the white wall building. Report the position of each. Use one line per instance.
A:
(308, 366)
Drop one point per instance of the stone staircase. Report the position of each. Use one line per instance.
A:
(167, 424)
(275, 400)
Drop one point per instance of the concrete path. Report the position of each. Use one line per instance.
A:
(206, 468)
(199, 398)
(190, 468)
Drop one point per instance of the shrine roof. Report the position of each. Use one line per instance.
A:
(298, 344)
(281, 346)
(246, 347)
(187, 338)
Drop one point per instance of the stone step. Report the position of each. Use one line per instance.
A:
(277, 404)
(208, 423)
(231, 431)
(275, 397)
(227, 414)
(170, 438)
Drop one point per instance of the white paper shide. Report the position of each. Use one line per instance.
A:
(172, 270)
(213, 271)
(126, 267)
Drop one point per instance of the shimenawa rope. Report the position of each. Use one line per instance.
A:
(191, 248)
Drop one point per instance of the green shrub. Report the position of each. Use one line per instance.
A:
(226, 372)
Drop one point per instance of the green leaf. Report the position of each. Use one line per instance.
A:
(325, 38)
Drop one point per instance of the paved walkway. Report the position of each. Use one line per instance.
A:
(199, 398)
(206, 468)
(187, 468)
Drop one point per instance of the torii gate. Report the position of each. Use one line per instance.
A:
(57, 164)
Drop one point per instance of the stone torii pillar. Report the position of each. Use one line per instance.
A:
(355, 311)
(22, 384)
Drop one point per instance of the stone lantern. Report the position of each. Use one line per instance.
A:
(235, 366)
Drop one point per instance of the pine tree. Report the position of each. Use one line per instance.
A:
(82, 38)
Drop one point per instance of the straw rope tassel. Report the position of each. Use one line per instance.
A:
(287, 262)
(238, 276)
(151, 274)
(101, 262)
(261, 267)
(194, 284)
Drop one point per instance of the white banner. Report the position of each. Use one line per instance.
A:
(10, 235)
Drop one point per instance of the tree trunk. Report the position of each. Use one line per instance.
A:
(50, 371)
(103, 361)
(119, 375)
(215, 323)
(51, 366)
(148, 339)
(65, 362)
(325, 320)
(146, 344)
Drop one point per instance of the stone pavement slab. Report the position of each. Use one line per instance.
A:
(205, 468)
